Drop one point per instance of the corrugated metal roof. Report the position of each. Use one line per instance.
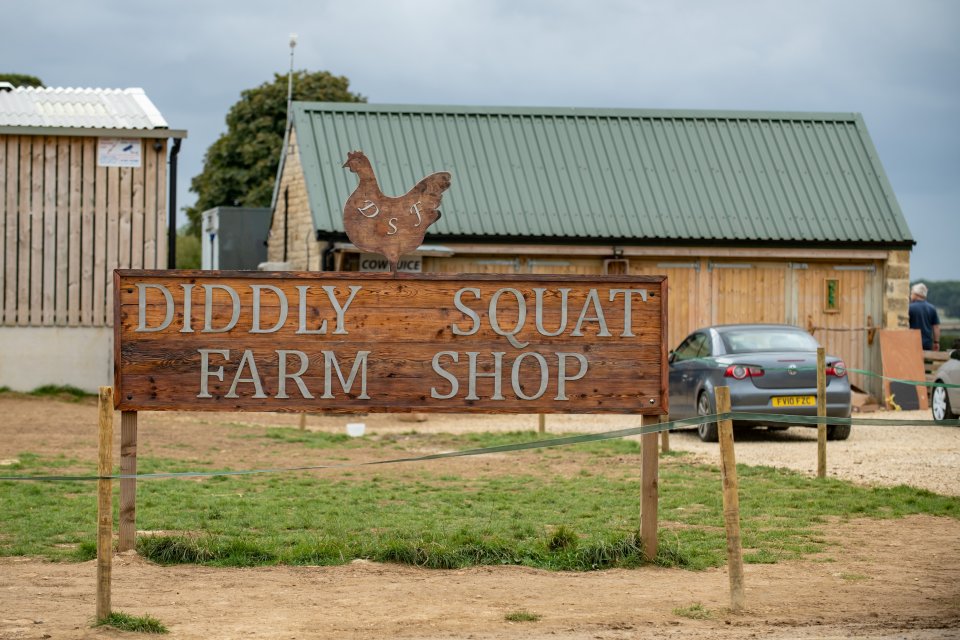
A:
(79, 108)
(612, 174)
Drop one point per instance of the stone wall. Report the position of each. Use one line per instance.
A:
(302, 250)
(896, 296)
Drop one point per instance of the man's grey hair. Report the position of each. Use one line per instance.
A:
(919, 289)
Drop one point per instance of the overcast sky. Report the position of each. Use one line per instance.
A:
(896, 62)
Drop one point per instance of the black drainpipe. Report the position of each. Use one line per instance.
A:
(172, 229)
(326, 253)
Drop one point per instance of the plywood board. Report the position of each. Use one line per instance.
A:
(338, 342)
(902, 357)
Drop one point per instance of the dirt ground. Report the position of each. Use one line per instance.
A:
(878, 579)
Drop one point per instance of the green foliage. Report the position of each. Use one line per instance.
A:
(695, 611)
(127, 622)
(945, 295)
(61, 391)
(21, 80)
(188, 250)
(522, 616)
(240, 168)
(562, 538)
(949, 340)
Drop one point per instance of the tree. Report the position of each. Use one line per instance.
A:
(240, 168)
(945, 295)
(21, 80)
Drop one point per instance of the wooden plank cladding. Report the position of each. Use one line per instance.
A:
(345, 343)
(66, 224)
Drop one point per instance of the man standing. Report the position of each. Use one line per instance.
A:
(923, 316)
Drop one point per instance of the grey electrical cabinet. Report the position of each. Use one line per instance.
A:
(234, 237)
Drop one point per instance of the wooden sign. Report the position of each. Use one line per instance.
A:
(390, 226)
(335, 342)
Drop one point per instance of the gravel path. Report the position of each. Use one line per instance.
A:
(925, 456)
(917, 455)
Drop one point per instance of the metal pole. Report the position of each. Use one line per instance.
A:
(293, 44)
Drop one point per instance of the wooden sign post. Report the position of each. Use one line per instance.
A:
(104, 502)
(821, 413)
(731, 501)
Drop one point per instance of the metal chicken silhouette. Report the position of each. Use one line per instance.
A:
(390, 226)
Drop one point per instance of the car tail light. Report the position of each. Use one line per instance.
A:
(837, 369)
(739, 372)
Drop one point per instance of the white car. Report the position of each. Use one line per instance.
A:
(945, 402)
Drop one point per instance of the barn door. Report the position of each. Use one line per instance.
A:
(839, 301)
(747, 292)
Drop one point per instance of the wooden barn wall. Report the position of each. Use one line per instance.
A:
(704, 291)
(66, 223)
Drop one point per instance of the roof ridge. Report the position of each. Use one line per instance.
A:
(707, 114)
(111, 90)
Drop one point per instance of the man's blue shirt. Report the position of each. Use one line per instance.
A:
(923, 316)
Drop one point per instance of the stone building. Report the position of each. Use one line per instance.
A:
(754, 217)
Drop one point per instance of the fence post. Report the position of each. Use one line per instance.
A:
(128, 486)
(731, 501)
(649, 473)
(822, 413)
(104, 502)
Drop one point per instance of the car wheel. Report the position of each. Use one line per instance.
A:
(838, 431)
(706, 430)
(940, 404)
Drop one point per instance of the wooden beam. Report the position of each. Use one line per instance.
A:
(24, 215)
(62, 242)
(650, 491)
(35, 249)
(822, 413)
(731, 501)
(161, 206)
(128, 486)
(88, 219)
(100, 246)
(776, 253)
(74, 272)
(150, 230)
(11, 216)
(104, 503)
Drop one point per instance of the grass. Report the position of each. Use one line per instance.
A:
(522, 616)
(127, 622)
(61, 391)
(695, 611)
(529, 514)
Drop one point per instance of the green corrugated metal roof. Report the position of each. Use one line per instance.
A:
(612, 173)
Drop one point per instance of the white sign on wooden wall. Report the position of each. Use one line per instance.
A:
(118, 152)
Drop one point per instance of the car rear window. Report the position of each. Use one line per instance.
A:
(754, 340)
